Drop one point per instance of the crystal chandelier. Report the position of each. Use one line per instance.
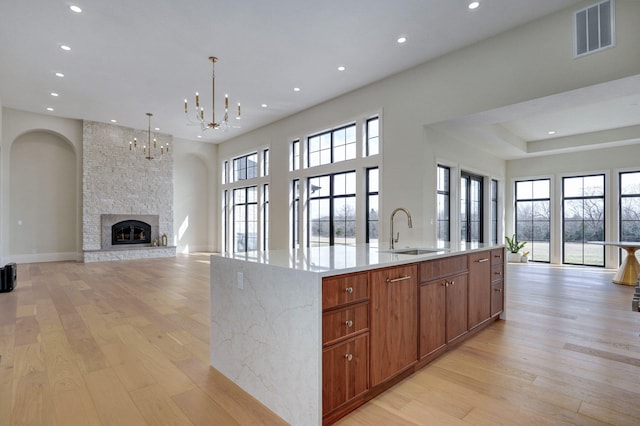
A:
(149, 149)
(199, 113)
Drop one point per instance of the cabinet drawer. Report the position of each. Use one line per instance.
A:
(497, 272)
(497, 256)
(344, 322)
(433, 269)
(344, 289)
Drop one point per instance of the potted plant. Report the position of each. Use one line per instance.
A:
(514, 246)
(525, 257)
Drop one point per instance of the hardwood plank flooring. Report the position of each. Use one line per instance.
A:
(115, 343)
(127, 343)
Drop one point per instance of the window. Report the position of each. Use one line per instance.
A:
(265, 162)
(372, 206)
(324, 172)
(332, 146)
(225, 218)
(372, 145)
(295, 216)
(494, 211)
(245, 205)
(245, 219)
(470, 208)
(265, 216)
(443, 197)
(629, 207)
(245, 167)
(533, 217)
(225, 172)
(583, 220)
(332, 209)
(295, 155)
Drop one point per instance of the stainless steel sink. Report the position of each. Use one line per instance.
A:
(413, 251)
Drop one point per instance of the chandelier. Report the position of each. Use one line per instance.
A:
(149, 150)
(199, 112)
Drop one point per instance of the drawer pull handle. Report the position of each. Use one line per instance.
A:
(348, 357)
(486, 259)
(349, 290)
(348, 323)
(395, 280)
(452, 282)
(498, 273)
(498, 290)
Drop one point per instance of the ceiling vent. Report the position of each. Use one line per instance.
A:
(594, 28)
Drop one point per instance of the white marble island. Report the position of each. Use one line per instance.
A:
(266, 319)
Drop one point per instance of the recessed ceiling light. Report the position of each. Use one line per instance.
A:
(49, 109)
(199, 136)
(113, 120)
(59, 74)
(54, 94)
(401, 40)
(65, 47)
(341, 68)
(296, 89)
(551, 132)
(264, 105)
(75, 8)
(157, 129)
(474, 5)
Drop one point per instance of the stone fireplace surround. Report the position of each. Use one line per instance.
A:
(119, 184)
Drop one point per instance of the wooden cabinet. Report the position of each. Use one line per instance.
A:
(345, 372)
(497, 281)
(345, 339)
(394, 324)
(479, 288)
(443, 303)
(381, 325)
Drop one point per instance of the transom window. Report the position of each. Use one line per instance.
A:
(332, 146)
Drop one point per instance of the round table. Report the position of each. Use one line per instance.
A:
(630, 268)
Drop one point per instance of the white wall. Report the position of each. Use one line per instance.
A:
(195, 196)
(529, 62)
(65, 132)
(42, 208)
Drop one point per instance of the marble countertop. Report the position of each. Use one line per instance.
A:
(333, 260)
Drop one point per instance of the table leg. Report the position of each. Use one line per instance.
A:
(628, 272)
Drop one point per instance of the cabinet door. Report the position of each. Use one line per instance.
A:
(394, 321)
(345, 372)
(497, 297)
(433, 299)
(479, 288)
(456, 306)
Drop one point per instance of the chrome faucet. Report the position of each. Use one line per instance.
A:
(391, 239)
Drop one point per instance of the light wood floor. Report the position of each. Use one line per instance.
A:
(126, 343)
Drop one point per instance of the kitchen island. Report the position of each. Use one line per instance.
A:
(350, 319)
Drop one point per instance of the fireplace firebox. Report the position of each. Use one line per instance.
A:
(130, 232)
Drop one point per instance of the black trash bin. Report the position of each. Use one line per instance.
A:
(8, 277)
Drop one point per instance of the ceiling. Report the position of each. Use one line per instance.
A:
(128, 58)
